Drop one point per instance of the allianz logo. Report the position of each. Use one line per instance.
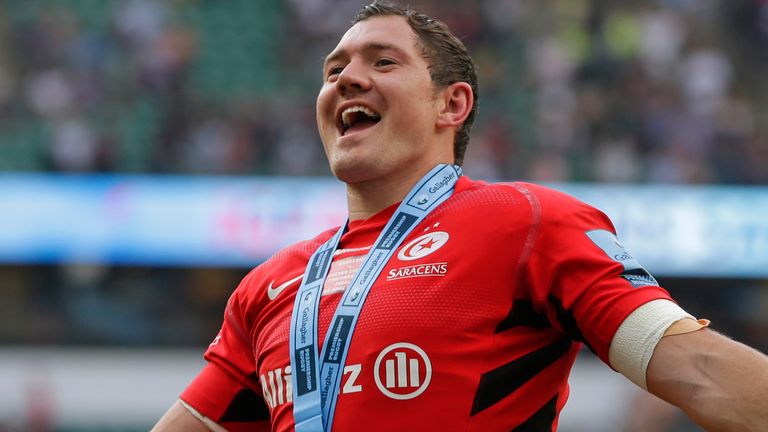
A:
(402, 371)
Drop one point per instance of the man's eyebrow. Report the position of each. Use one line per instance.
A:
(370, 46)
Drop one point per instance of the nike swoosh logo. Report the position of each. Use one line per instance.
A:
(274, 292)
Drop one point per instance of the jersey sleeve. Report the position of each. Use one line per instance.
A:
(578, 269)
(226, 390)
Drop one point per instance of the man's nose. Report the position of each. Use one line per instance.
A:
(353, 78)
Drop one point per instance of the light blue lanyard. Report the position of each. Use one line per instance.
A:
(316, 379)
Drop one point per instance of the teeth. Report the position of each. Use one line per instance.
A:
(347, 113)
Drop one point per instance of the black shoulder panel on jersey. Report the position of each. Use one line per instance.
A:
(247, 406)
(523, 314)
(501, 382)
(542, 420)
(568, 321)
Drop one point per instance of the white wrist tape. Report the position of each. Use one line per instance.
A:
(210, 424)
(633, 344)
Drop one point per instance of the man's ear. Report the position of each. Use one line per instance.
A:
(458, 100)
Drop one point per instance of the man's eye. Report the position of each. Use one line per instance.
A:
(385, 62)
(334, 71)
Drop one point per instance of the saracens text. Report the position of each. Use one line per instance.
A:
(420, 270)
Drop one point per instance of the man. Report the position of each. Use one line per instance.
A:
(476, 296)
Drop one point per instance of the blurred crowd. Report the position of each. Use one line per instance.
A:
(570, 90)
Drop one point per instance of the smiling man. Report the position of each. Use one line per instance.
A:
(445, 303)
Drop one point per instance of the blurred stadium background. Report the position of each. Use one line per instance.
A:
(151, 152)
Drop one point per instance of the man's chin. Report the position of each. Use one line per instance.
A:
(351, 176)
(351, 172)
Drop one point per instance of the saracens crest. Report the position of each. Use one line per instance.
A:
(423, 246)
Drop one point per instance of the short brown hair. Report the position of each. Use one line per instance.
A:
(448, 58)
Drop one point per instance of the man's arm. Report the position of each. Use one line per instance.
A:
(180, 418)
(721, 384)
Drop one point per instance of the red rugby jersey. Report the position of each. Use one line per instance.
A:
(473, 325)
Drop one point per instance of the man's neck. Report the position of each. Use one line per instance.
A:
(365, 199)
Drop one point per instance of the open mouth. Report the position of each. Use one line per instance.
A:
(357, 118)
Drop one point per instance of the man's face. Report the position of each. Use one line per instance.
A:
(377, 107)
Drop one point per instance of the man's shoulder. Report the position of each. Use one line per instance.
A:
(515, 191)
(300, 250)
(293, 255)
(287, 264)
(520, 201)
(536, 190)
